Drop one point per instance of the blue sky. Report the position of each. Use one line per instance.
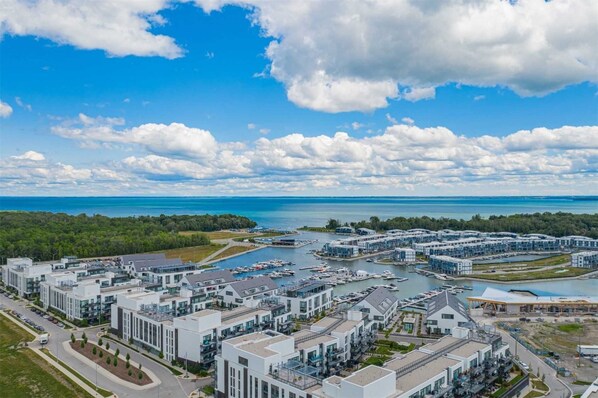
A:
(81, 109)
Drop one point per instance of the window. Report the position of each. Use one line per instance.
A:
(243, 361)
(432, 322)
(229, 293)
(448, 316)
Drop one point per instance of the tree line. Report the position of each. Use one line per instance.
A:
(555, 224)
(46, 236)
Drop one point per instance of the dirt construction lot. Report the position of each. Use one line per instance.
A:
(562, 338)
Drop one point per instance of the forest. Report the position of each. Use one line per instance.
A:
(46, 236)
(555, 224)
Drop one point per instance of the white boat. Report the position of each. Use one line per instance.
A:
(441, 277)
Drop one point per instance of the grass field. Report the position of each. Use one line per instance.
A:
(543, 262)
(194, 253)
(24, 374)
(218, 234)
(552, 273)
(232, 251)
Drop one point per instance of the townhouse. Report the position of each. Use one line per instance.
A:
(586, 259)
(247, 292)
(156, 269)
(450, 265)
(381, 305)
(202, 289)
(445, 312)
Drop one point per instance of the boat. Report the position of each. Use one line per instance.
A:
(441, 277)
(402, 279)
(369, 260)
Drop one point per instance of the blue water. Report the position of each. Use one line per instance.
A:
(292, 212)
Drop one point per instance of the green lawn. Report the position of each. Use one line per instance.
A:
(553, 273)
(24, 374)
(570, 327)
(232, 251)
(543, 262)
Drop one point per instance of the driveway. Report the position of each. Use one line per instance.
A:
(170, 385)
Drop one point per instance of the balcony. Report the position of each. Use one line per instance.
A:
(314, 360)
(443, 391)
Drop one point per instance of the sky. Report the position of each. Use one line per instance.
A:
(335, 97)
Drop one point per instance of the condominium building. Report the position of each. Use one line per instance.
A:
(404, 255)
(444, 312)
(202, 289)
(585, 259)
(307, 300)
(24, 276)
(84, 299)
(248, 292)
(271, 365)
(156, 269)
(380, 306)
(450, 265)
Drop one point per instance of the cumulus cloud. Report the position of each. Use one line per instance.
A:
(402, 158)
(407, 120)
(345, 55)
(5, 110)
(30, 155)
(118, 27)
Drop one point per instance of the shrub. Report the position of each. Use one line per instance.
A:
(128, 356)
(84, 336)
(161, 355)
(139, 366)
(115, 361)
(107, 346)
(140, 375)
(82, 344)
(108, 360)
(101, 353)
(100, 342)
(95, 350)
(130, 373)
(128, 364)
(117, 352)
(73, 338)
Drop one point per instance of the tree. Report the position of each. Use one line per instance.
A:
(108, 360)
(82, 343)
(100, 342)
(101, 353)
(130, 372)
(84, 336)
(94, 350)
(140, 375)
(115, 361)
(107, 346)
(128, 356)
(333, 224)
(117, 352)
(72, 338)
(127, 364)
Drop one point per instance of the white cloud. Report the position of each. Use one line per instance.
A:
(342, 55)
(118, 27)
(479, 97)
(356, 125)
(419, 93)
(391, 119)
(5, 110)
(407, 120)
(127, 100)
(23, 105)
(30, 155)
(264, 131)
(403, 158)
(251, 126)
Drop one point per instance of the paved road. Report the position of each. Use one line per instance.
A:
(170, 385)
(557, 389)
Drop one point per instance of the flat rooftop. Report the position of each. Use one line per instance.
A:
(368, 375)
(405, 360)
(468, 349)
(424, 373)
(343, 327)
(240, 313)
(441, 344)
(316, 339)
(258, 343)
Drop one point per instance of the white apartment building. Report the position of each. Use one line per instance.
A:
(271, 365)
(404, 255)
(451, 265)
(381, 305)
(24, 276)
(248, 292)
(445, 312)
(585, 259)
(83, 299)
(307, 300)
(156, 269)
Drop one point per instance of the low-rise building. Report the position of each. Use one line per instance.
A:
(404, 255)
(445, 312)
(587, 259)
(24, 276)
(345, 230)
(307, 300)
(247, 292)
(202, 288)
(156, 269)
(451, 265)
(380, 306)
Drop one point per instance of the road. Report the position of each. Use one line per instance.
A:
(170, 386)
(557, 389)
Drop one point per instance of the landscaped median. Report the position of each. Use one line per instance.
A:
(113, 364)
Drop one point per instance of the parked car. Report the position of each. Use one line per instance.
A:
(524, 366)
